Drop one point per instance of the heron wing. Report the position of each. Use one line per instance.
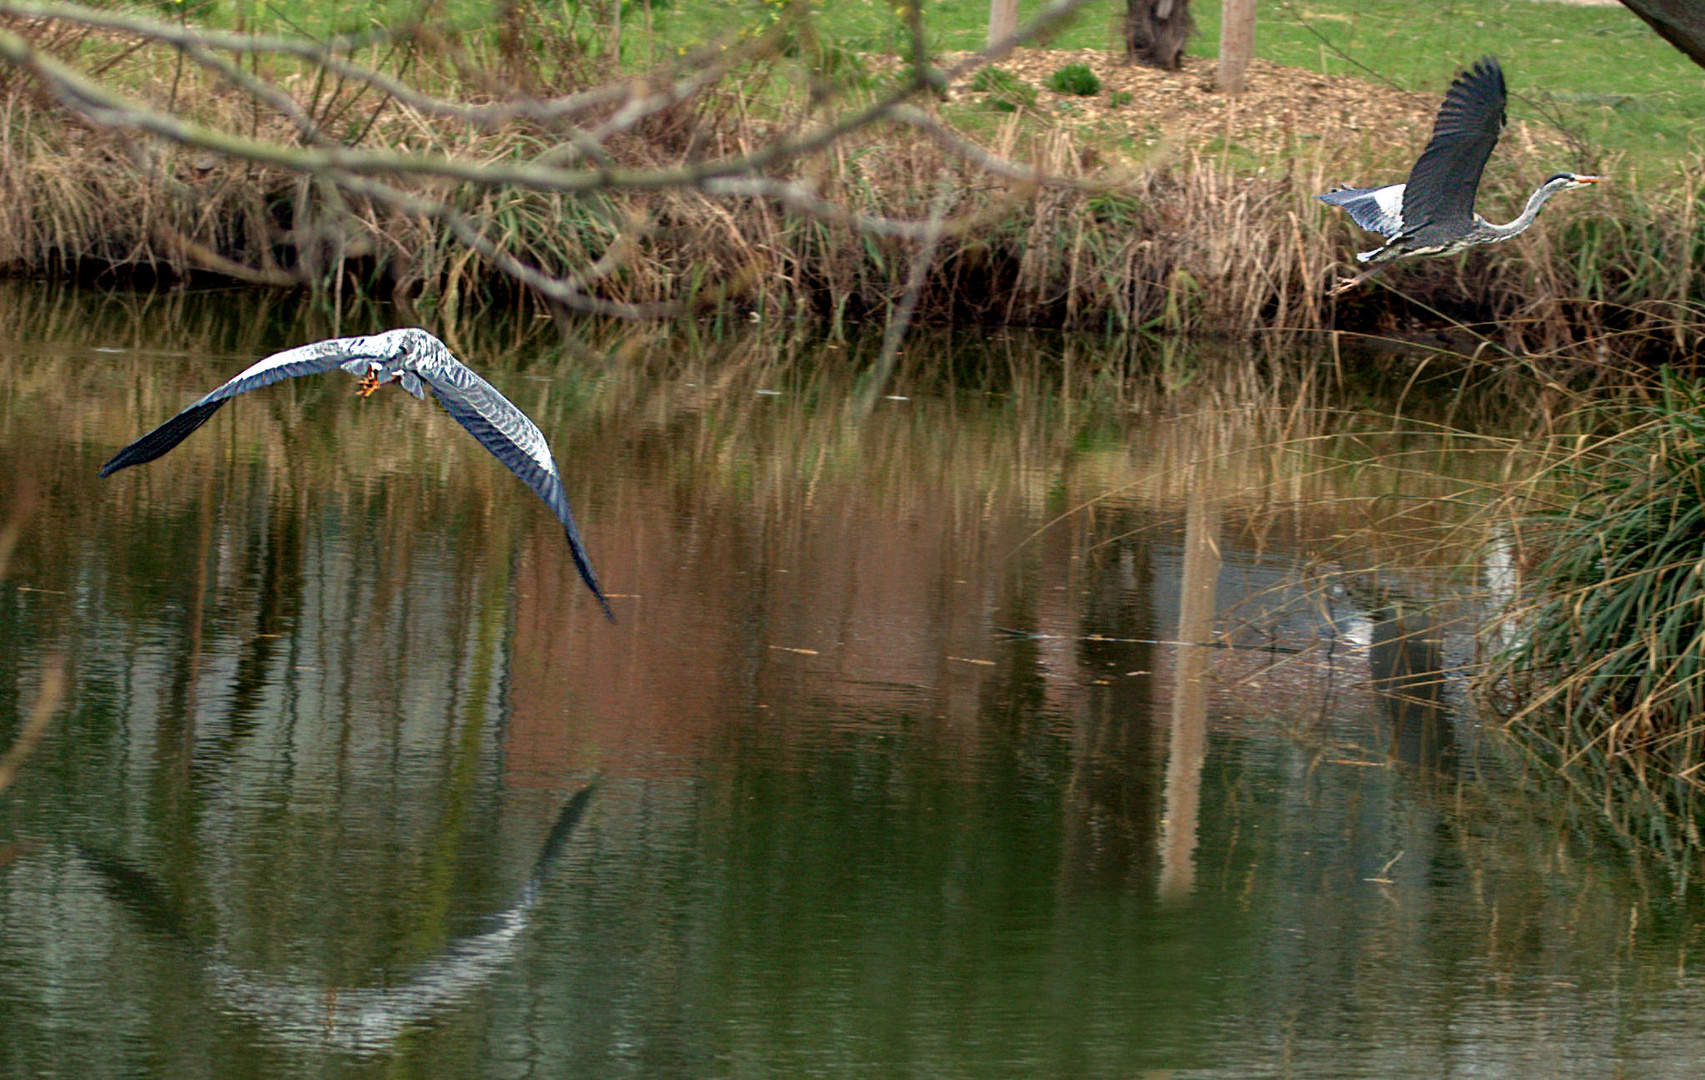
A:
(312, 359)
(1377, 210)
(1446, 177)
(516, 441)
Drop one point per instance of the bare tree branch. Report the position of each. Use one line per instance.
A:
(582, 155)
(703, 67)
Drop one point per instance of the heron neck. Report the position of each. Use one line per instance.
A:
(1531, 211)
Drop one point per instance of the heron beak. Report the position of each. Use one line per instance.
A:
(369, 383)
(1591, 179)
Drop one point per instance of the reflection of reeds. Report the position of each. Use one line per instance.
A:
(1063, 414)
(52, 681)
(48, 693)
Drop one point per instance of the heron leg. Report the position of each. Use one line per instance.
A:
(369, 383)
(1344, 285)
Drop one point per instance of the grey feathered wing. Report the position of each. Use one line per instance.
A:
(315, 359)
(1446, 178)
(477, 405)
(516, 441)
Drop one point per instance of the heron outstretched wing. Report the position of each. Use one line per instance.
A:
(1446, 177)
(416, 359)
(513, 439)
(322, 356)
(1377, 210)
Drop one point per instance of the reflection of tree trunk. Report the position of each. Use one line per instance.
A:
(1111, 804)
(1156, 32)
(280, 601)
(1190, 692)
(1407, 663)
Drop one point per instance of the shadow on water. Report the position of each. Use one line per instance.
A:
(1406, 661)
(1017, 720)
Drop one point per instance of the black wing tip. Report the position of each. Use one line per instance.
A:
(1485, 71)
(570, 815)
(162, 438)
(584, 565)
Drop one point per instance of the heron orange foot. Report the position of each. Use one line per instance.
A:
(369, 383)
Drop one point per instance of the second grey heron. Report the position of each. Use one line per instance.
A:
(1433, 213)
(418, 361)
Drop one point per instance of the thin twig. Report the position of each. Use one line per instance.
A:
(901, 320)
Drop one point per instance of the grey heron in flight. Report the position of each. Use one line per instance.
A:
(418, 361)
(1433, 214)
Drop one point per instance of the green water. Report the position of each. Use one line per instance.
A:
(890, 741)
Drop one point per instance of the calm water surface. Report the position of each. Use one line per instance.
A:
(898, 768)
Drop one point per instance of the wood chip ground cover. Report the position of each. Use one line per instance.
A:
(1282, 107)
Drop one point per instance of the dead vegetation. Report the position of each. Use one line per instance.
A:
(1177, 212)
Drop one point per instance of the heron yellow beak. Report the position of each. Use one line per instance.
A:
(1591, 179)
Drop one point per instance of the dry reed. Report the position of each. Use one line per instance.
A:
(1191, 246)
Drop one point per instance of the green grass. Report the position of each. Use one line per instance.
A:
(1597, 71)
(1006, 91)
(1075, 79)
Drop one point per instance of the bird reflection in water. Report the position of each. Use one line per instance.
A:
(358, 1019)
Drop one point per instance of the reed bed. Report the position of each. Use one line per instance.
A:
(1198, 243)
(1594, 645)
(1605, 645)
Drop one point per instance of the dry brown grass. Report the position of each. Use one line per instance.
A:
(1201, 242)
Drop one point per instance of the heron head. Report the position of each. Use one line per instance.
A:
(1564, 180)
(383, 358)
(391, 348)
(397, 353)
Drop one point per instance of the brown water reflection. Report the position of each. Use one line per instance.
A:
(900, 750)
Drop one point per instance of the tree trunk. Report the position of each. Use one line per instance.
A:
(1237, 44)
(1156, 31)
(1679, 22)
(1003, 19)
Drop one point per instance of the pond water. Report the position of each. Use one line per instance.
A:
(1016, 717)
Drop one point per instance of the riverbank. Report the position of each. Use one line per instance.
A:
(1182, 212)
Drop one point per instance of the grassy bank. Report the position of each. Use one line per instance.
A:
(1224, 237)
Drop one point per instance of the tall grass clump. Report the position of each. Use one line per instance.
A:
(1603, 654)
(1005, 91)
(1075, 79)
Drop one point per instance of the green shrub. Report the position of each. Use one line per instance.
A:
(1075, 79)
(1006, 91)
(1120, 98)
